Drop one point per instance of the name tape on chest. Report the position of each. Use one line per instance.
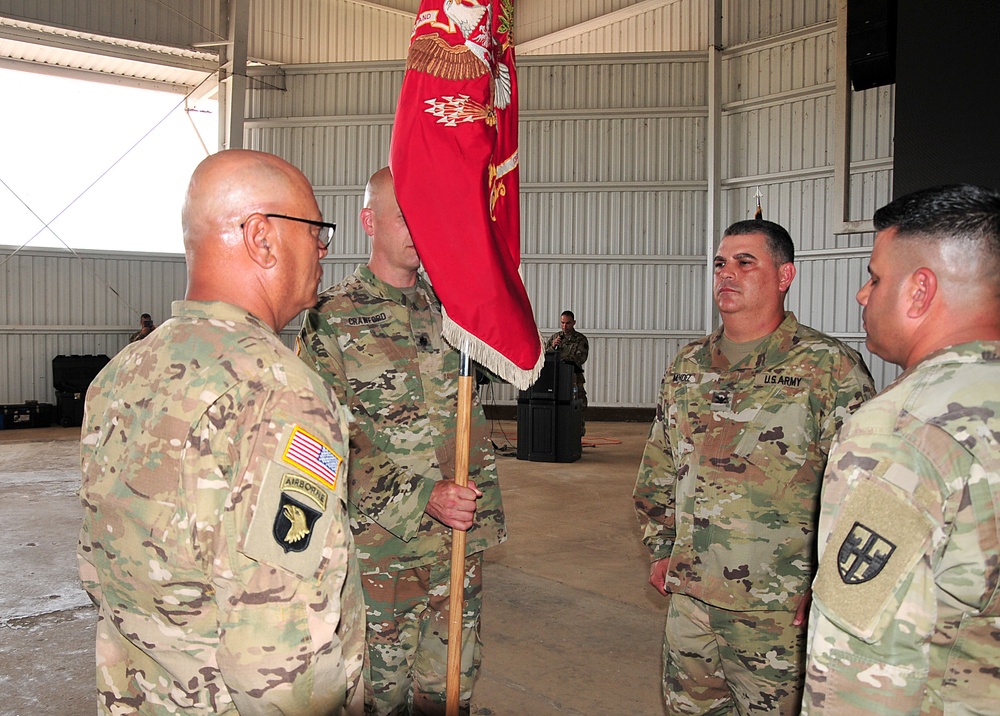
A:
(313, 457)
(792, 381)
(367, 320)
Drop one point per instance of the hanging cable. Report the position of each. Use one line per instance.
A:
(69, 248)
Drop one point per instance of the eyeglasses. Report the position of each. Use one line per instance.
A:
(326, 229)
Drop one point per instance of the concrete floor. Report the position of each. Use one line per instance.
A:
(569, 624)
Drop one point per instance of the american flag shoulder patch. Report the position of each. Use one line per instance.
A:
(310, 455)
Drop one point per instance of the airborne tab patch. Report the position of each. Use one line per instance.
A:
(312, 457)
(293, 482)
(293, 524)
(863, 554)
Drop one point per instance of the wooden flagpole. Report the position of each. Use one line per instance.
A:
(456, 602)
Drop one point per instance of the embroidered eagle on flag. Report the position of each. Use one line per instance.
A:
(435, 55)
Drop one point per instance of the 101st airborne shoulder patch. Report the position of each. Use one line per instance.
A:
(313, 457)
(293, 524)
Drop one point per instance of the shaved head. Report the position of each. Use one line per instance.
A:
(394, 258)
(240, 245)
(228, 186)
(378, 185)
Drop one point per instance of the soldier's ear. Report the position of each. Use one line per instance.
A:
(921, 290)
(786, 274)
(259, 239)
(368, 221)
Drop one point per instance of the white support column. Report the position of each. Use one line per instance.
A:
(713, 154)
(233, 74)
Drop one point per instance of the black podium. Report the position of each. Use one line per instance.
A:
(549, 416)
(71, 376)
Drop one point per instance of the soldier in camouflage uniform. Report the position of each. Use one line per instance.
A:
(215, 537)
(729, 484)
(906, 617)
(573, 348)
(376, 337)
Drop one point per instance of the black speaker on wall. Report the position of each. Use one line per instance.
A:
(871, 43)
(947, 94)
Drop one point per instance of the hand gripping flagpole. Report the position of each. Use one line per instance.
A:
(457, 586)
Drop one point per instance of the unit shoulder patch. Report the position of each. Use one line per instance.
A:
(293, 524)
(863, 554)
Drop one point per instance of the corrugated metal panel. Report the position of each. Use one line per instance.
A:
(803, 59)
(179, 23)
(56, 303)
(607, 296)
(662, 26)
(337, 155)
(308, 31)
(606, 149)
(617, 221)
(324, 90)
(534, 19)
(604, 82)
(749, 20)
(629, 373)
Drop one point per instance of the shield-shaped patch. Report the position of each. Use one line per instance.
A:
(293, 524)
(863, 554)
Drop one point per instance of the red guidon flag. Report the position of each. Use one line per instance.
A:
(454, 166)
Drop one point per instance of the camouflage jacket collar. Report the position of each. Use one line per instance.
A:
(218, 310)
(971, 352)
(771, 351)
(425, 295)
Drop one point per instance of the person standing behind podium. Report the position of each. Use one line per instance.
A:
(573, 347)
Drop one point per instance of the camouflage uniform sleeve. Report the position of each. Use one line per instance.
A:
(873, 612)
(579, 351)
(654, 487)
(288, 612)
(548, 343)
(854, 388)
(389, 493)
(87, 570)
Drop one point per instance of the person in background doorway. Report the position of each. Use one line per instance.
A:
(145, 328)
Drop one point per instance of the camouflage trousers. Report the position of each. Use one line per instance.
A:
(407, 614)
(717, 661)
